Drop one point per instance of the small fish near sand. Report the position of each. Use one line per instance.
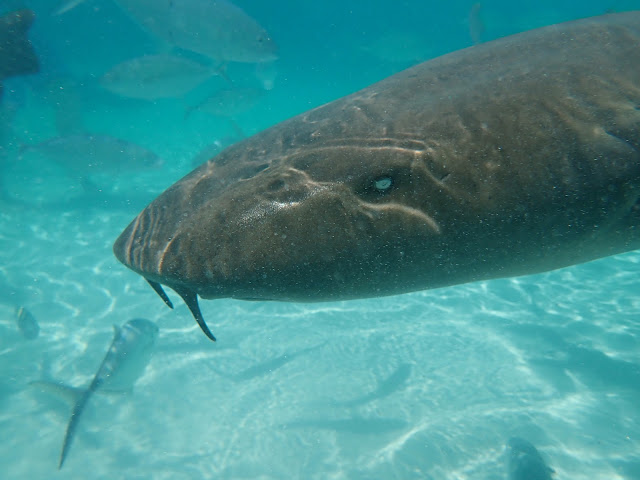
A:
(27, 323)
(268, 366)
(17, 56)
(392, 384)
(125, 361)
(87, 154)
(152, 77)
(524, 462)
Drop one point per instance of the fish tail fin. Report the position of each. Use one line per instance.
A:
(67, 394)
(73, 425)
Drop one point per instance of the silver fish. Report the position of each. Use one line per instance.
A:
(86, 154)
(150, 77)
(214, 28)
(124, 362)
(229, 102)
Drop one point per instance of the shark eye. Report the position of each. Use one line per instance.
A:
(383, 184)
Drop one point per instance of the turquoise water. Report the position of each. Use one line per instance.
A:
(427, 385)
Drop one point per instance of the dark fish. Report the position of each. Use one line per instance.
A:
(524, 462)
(17, 56)
(386, 387)
(27, 323)
(266, 367)
(511, 157)
(594, 368)
(124, 362)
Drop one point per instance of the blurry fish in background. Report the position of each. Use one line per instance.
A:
(27, 323)
(69, 101)
(524, 462)
(151, 77)
(17, 56)
(229, 102)
(78, 171)
(476, 25)
(87, 154)
(217, 29)
(66, 7)
(266, 73)
(125, 361)
(268, 366)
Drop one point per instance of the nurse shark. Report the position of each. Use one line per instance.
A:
(511, 157)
